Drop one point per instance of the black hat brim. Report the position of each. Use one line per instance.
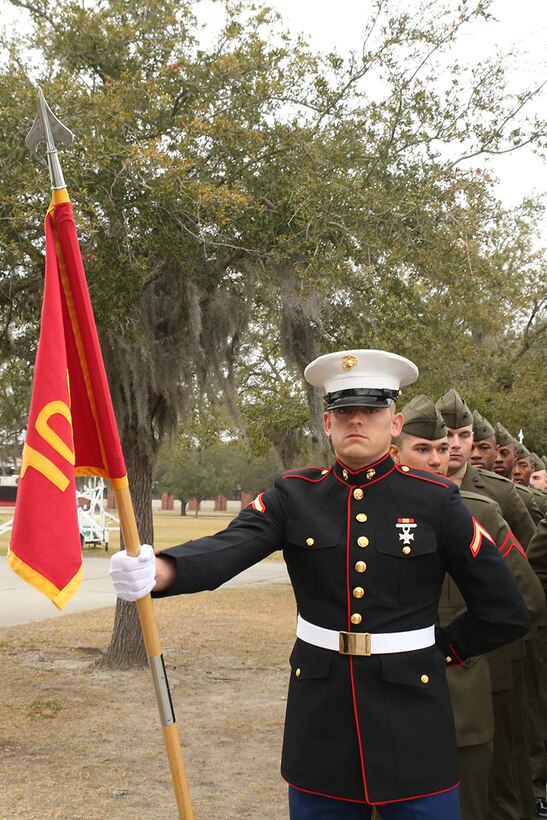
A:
(360, 397)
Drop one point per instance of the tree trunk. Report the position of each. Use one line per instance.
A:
(315, 405)
(127, 646)
(286, 443)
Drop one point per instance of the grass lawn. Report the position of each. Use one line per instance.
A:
(89, 739)
(82, 743)
(169, 528)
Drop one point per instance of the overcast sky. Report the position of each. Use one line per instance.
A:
(339, 26)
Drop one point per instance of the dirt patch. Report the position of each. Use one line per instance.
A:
(78, 742)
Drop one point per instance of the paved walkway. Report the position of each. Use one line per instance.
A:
(20, 603)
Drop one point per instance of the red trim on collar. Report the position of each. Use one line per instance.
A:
(364, 486)
(363, 469)
(382, 465)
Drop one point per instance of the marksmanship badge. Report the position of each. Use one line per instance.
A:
(406, 525)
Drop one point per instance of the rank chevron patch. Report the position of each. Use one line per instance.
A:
(511, 542)
(478, 534)
(258, 504)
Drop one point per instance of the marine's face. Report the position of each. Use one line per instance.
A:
(539, 479)
(423, 454)
(505, 460)
(460, 441)
(361, 435)
(483, 453)
(522, 471)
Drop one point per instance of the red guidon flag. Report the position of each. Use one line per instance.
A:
(71, 428)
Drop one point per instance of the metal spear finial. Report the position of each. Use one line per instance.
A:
(45, 127)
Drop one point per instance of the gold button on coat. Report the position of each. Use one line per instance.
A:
(425, 679)
(324, 472)
(448, 659)
(405, 469)
(310, 542)
(298, 673)
(362, 517)
(362, 541)
(356, 618)
(406, 550)
(358, 592)
(360, 566)
(358, 494)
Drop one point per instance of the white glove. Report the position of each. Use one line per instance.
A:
(133, 577)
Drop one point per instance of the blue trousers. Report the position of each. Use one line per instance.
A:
(304, 806)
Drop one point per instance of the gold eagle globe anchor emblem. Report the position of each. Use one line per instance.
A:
(348, 362)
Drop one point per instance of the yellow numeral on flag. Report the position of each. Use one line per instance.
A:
(40, 462)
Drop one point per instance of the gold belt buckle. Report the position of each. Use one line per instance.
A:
(355, 643)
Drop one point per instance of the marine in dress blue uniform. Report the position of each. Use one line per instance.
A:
(368, 719)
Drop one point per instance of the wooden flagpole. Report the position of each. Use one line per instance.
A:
(153, 650)
(46, 126)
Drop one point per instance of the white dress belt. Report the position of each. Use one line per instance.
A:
(364, 643)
